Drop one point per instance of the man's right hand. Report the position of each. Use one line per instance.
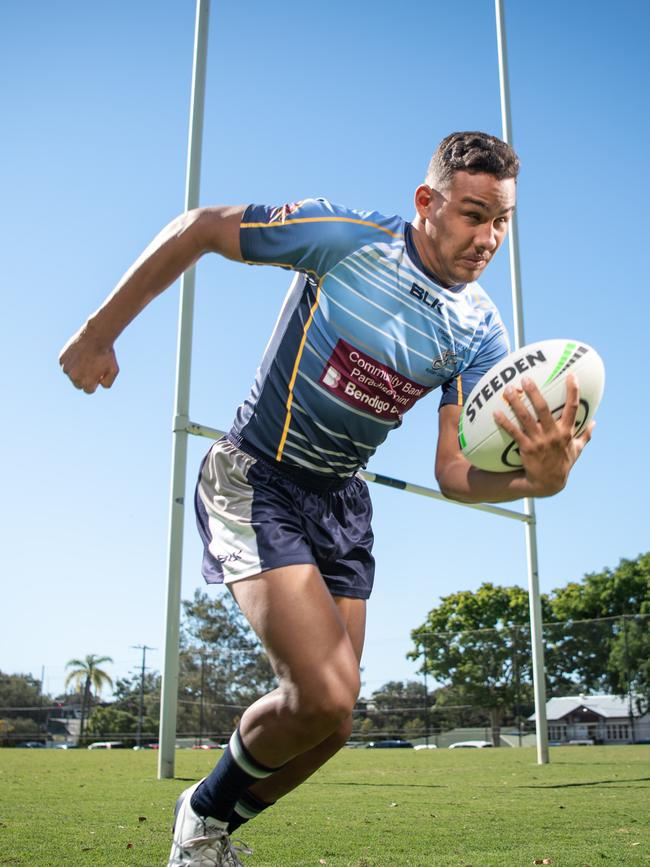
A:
(89, 360)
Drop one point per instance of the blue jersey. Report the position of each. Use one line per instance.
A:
(365, 331)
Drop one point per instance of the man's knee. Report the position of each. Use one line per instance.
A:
(332, 708)
(336, 740)
(342, 734)
(326, 702)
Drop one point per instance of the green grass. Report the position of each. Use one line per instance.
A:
(366, 808)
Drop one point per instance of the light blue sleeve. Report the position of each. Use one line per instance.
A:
(493, 346)
(312, 235)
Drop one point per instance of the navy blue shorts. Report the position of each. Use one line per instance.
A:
(253, 517)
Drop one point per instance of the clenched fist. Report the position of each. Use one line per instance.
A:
(89, 360)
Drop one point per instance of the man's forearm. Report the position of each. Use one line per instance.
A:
(546, 445)
(170, 253)
(88, 358)
(465, 483)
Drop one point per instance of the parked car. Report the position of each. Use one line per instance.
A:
(396, 743)
(32, 745)
(476, 745)
(425, 747)
(106, 745)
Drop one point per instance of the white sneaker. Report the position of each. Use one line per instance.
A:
(201, 841)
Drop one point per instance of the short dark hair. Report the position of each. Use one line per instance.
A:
(472, 152)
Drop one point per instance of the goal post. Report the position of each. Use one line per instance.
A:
(183, 427)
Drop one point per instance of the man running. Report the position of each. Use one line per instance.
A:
(380, 312)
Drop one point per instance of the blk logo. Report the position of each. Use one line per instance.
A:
(424, 296)
(229, 558)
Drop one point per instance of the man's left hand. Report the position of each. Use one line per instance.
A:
(547, 445)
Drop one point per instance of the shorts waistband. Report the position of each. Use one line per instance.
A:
(303, 478)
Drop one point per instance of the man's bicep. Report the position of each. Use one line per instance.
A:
(448, 449)
(220, 227)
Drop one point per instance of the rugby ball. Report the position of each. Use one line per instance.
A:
(547, 363)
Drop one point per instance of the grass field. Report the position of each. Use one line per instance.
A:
(366, 808)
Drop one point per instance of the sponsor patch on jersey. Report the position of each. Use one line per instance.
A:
(279, 215)
(368, 385)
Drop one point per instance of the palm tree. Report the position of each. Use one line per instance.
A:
(86, 671)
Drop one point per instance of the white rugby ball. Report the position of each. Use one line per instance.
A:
(547, 363)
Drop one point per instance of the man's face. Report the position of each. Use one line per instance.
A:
(463, 224)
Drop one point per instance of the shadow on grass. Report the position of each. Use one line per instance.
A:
(593, 783)
(378, 785)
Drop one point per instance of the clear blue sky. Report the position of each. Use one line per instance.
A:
(345, 100)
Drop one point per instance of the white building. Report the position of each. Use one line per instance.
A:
(600, 719)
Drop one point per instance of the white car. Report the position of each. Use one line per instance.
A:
(425, 747)
(476, 745)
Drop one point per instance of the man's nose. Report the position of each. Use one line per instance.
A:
(486, 237)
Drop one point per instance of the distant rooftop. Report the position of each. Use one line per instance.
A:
(607, 706)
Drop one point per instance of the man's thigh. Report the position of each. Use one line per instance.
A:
(303, 628)
(353, 614)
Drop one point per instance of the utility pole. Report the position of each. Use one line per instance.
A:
(630, 705)
(517, 679)
(201, 709)
(144, 648)
(45, 726)
(426, 694)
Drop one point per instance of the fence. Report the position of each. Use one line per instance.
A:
(473, 685)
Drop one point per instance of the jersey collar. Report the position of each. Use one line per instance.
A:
(414, 256)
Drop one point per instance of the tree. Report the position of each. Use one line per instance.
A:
(19, 691)
(624, 590)
(86, 671)
(629, 661)
(391, 709)
(450, 710)
(604, 641)
(126, 694)
(223, 666)
(596, 637)
(111, 723)
(479, 643)
(23, 708)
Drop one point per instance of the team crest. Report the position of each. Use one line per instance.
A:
(279, 215)
(447, 357)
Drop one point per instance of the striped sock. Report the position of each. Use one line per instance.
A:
(246, 808)
(236, 770)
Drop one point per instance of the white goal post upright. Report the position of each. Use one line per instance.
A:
(169, 686)
(183, 427)
(534, 600)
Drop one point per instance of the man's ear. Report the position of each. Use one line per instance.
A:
(424, 196)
